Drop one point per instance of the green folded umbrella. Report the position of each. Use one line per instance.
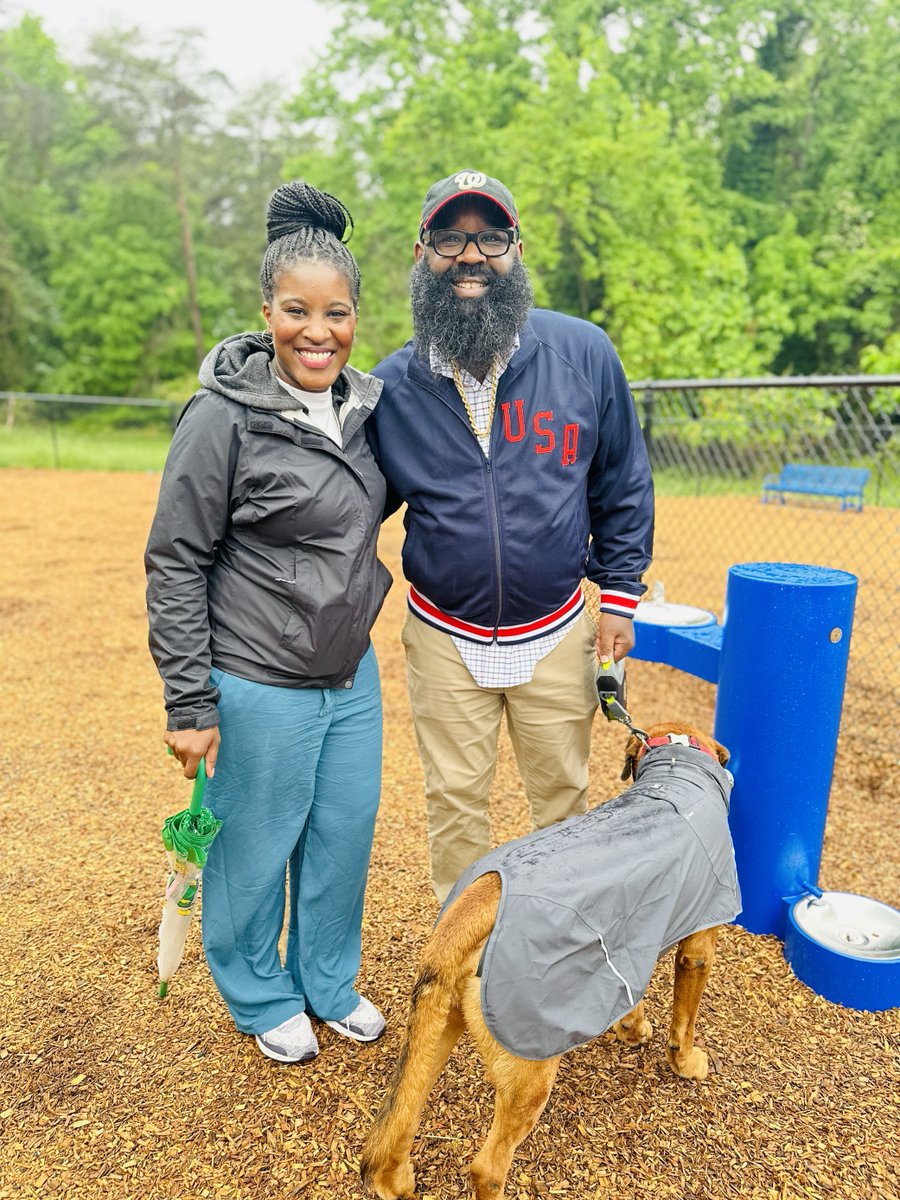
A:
(190, 833)
(187, 837)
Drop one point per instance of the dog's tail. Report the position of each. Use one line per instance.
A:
(432, 1030)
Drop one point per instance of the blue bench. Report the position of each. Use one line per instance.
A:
(847, 483)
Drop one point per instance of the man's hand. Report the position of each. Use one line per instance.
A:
(615, 636)
(190, 745)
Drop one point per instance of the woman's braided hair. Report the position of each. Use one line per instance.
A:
(306, 225)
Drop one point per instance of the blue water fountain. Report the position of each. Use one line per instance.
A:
(780, 663)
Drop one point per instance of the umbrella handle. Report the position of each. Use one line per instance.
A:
(199, 788)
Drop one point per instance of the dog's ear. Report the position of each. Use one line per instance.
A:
(722, 753)
(632, 754)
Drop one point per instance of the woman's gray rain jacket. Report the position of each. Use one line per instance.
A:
(261, 557)
(587, 906)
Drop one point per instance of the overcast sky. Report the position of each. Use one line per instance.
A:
(248, 40)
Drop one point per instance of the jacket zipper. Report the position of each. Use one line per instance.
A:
(492, 505)
(495, 532)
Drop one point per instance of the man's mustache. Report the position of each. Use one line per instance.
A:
(460, 271)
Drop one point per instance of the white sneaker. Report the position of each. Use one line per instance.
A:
(291, 1041)
(364, 1024)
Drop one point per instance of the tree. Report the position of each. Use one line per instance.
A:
(40, 121)
(159, 103)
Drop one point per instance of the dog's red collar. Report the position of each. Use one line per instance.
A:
(681, 739)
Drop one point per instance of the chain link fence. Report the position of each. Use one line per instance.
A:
(712, 442)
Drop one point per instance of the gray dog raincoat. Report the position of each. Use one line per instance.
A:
(588, 905)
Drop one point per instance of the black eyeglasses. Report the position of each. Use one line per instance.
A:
(450, 243)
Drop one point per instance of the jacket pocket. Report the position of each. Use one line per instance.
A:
(296, 617)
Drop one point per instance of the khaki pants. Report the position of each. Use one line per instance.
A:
(457, 724)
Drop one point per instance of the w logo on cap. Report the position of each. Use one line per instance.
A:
(470, 179)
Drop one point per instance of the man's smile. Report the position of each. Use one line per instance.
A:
(470, 287)
(468, 282)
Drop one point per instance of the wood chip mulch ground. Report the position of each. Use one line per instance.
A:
(108, 1093)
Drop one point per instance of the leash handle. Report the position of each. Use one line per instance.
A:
(612, 690)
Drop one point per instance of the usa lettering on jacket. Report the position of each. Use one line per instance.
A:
(517, 426)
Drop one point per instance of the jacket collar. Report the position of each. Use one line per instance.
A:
(679, 752)
(360, 397)
(680, 739)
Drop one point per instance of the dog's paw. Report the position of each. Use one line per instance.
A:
(395, 1183)
(693, 1064)
(633, 1032)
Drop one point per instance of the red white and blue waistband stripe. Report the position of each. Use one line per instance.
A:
(505, 634)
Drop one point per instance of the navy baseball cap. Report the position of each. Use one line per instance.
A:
(468, 183)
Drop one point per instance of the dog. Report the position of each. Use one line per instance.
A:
(672, 764)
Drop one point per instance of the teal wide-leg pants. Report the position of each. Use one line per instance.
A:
(297, 786)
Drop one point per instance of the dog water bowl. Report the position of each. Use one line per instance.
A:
(654, 612)
(681, 635)
(846, 948)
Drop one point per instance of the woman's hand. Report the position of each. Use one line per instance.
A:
(190, 745)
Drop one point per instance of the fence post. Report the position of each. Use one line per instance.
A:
(647, 424)
(53, 440)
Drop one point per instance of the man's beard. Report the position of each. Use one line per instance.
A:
(469, 332)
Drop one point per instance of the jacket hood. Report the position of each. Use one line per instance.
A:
(240, 368)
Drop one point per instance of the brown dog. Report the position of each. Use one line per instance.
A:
(447, 999)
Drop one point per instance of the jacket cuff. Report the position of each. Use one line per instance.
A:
(622, 604)
(205, 719)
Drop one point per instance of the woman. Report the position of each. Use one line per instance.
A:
(263, 585)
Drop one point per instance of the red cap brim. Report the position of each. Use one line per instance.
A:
(470, 192)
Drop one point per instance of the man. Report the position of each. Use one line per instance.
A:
(512, 437)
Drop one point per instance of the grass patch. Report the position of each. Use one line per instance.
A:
(80, 450)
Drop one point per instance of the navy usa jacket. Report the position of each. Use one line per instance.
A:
(567, 492)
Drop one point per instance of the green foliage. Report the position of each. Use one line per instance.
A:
(119, 287)
(35, 116)
(718, 185)
(620, 234)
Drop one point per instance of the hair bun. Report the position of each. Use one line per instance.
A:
(298, 205)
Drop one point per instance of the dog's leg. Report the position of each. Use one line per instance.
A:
(634, 1029)
(693, 960)
(521, 1087)
(435, 1023)
(522, 1091)
(434, 1028)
